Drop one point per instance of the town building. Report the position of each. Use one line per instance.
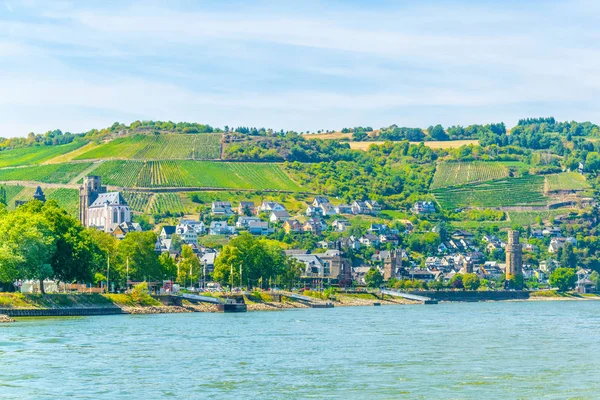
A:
(292, 226)
(221, 208)
(279, 216)
(99, 208)
(221, 228)
(423, 207)
(246, 208)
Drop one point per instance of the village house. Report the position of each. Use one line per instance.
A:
(359, 207)
(340, 225)
(326, 244)
(351, 243)
(390, 238)
(373, 206)
(312, 211)
(279, 216)
(196, 226)
(244, 221)
(269, 206)
(292, 226)
(259, 228)
(187, 234)
(124, 228)
(246, 208)
(559, 242)
(327, 209)
(221, 228)
(314, 225)
(319, 200)
(343, 209)
(208, 260)
(221, 208)
(370, 240)
(423, 207)
(167, 232)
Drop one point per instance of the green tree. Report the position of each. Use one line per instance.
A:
(563, 279)
(568, 257)
(292, 272)
(471, 281)
(168, 265)
(189, 266)
(373, 278)
(139, 248)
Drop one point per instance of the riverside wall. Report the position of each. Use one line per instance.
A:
(466, 296)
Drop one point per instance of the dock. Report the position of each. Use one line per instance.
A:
(409, 296)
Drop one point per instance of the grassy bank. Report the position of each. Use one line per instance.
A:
(39, 301)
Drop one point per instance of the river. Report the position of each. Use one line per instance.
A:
(452, 350)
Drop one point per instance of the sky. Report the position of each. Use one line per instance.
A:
(296, 65)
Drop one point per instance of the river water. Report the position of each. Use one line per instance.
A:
(453, 350)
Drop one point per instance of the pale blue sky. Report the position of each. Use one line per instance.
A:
(296, 65)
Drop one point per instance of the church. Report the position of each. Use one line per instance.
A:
(101, 209)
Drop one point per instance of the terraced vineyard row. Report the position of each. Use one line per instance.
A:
(196, 174)
(202, 146)
(163, 202)
(55, 173)
(527, 190)
(137, 201)
(460, 173)
(66, 198)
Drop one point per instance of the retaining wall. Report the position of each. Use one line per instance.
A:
(474, 296)
(59, 312)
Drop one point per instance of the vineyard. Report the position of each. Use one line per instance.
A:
(202, 146)
(54, 173)
(137, 201)
(163, 202)
(566, 181)
(527, 190)
(532, 218)
(460, 173)
(66, 198)
(35, 154)
(207, 174)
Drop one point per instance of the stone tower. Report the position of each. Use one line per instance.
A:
(88, 192)
(39, 195)
(514, 259)
(392, 264)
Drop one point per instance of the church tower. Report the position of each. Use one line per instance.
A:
(88, 192)
(514, 257)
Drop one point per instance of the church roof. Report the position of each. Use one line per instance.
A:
(112, 199)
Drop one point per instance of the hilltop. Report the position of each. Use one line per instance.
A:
(166, 168)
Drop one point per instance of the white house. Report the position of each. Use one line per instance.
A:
(221, 208)
(221, 228)
(340, 225)
(268, 206)
(279, 216)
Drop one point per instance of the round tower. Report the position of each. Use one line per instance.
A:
(514, 257)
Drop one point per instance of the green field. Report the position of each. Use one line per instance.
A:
(460, 173)
(163, 202)
(35, 154)
(54, 173)
(527, 190)
(66, 198)
(566, 181)
(259, 176)
(202, 146)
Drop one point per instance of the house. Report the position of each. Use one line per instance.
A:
(327, 209)
(319, 200)
(313, 265)
(559, 242)
(279, 216)
(340, 225)
(208, 260)
(433, 262)
(221, 208)
(197, 226)
(326, 244)
(221, 228)
(124, 228)
(359, 273)
(390, 238)
(370, 240)
(259, 228)
(167, 231)
(420, 275)
(350, 243)
(312, 211)
(292, 226)
(268, 206)
(462, 234)
(373, 206)
(530, 247)
(314, 225)
(359, 207)
(187, 233)
(246, 208)
(377, 229)
(537, 234)
(423, 207)
(343, 209)
(243, 221)
(547, 266)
